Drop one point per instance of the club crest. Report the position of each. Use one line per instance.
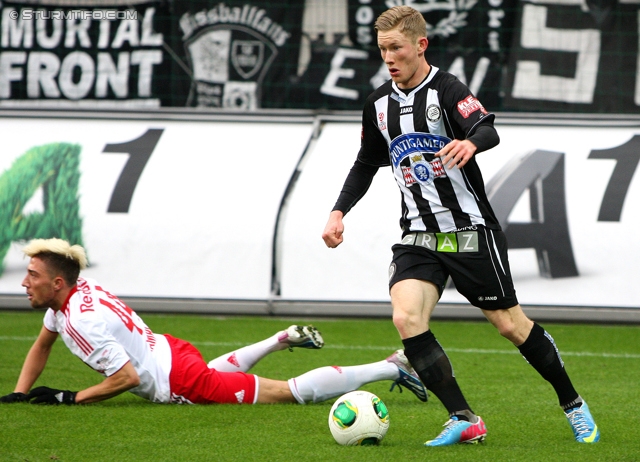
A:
(247, 57)
(422, 171)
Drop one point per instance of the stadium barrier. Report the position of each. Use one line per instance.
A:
(219, 212)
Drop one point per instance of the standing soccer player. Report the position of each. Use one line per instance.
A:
(427, 126)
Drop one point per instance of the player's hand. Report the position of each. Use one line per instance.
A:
(457, 153)
(332, 234)
(13, 398)
(46, 395)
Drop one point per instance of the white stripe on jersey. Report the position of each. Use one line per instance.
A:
(435, 127)
(382, 107)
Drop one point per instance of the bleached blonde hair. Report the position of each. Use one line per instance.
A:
(60, 257)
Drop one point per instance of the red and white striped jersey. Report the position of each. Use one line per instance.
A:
(404, 130)
(105, 334)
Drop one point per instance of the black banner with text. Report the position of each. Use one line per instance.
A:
(556, 56)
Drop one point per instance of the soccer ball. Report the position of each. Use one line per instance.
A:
(358, 418)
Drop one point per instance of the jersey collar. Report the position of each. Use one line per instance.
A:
(65, 306)
(403, 96)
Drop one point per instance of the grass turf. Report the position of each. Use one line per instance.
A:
(523, 419)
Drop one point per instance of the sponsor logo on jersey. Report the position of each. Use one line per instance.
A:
(433, 113)
(422, 171)
(87, 301)
(469, 105)
(382, 125)
(240, 396)
(464, 241)
(406, 110)
(392, 270)
(411, 144)
(104, 362)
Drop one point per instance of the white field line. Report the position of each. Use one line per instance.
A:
(515, 351)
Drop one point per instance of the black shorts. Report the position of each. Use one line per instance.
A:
(476, 259)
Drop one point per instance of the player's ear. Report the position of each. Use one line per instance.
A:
(423, 43)
(58, 283)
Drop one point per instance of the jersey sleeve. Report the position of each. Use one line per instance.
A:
(465, 109)
(373, 147)
(49, 321)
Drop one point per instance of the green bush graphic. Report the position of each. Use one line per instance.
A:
(55, 168)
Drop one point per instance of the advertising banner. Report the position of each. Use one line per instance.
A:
(567, 197)
(203, 209)
(164, 209)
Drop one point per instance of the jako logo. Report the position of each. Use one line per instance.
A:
(488, 298)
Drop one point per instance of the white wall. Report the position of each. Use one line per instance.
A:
(202, 217)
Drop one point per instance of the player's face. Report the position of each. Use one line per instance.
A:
(39, 284)
(404, 57)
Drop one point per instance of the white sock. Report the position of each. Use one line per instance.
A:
(327, 382)
(246, 357)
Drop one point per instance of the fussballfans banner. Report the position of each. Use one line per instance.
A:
(165, 212)
(552, 55)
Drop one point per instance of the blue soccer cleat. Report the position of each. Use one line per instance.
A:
(584, 427)
(460, 431)
(408, 377)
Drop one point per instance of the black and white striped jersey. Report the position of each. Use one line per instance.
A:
(405, 130)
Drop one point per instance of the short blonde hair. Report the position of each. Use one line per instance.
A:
(407, 20)
(61, 257)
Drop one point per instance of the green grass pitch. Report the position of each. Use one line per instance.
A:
(523, 419)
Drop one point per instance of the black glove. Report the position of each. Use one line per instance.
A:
(46, 395)
(13, 398)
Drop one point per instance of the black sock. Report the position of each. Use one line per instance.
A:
(572, 405)
(541, 352)
(434, 369)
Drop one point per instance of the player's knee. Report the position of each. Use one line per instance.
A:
(512, 331)
(274, 391)
(404, 323)
(506, 329)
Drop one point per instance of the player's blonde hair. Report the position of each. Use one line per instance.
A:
(406, 19)
(61, 257)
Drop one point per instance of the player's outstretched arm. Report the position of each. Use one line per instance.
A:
(332, 234)
(36, 360)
